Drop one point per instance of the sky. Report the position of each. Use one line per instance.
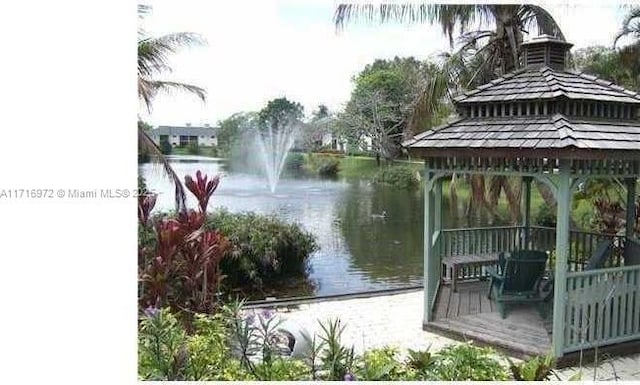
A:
(260, 50)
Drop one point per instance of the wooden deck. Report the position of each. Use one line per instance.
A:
(469, 314)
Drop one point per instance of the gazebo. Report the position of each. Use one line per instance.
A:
(546, 123)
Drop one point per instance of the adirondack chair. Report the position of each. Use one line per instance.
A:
(632, 252)
(519, 279)
(600, 256)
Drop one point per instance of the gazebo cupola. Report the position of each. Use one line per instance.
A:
(547, 51)
(548, 123)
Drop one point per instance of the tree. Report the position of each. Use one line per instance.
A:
(312, 133)
(618, 66)
(496, 49)
(382, 102)
(483, 55)
(153, 56)
(630, 55)
(232, 130)
(144, 125)
(321, 112)
(280, 112)
(630, 25)
(369, 117)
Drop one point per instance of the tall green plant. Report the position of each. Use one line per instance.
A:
(466, 362)
(337, 359)
(535, 369)
(162, 353)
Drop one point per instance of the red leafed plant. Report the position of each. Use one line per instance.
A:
(201, 188)
(183, 269)
(146, 202)
(610, 216)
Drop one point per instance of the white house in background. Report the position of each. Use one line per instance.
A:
(184, 135)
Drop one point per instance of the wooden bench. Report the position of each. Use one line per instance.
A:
(465, 263)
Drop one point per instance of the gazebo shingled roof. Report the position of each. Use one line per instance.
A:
(540, 107)
(547, 83)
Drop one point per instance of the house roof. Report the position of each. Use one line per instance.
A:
(531, 133)
(535, 83)
(184, 130)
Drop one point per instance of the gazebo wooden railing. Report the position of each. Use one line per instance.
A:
(602, 306)
(491, 240)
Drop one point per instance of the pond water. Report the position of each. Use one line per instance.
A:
(360, 250)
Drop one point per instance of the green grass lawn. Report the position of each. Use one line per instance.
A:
(202, 150)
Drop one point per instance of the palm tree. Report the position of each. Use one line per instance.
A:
(630, 25)
(630, 55)
(153, 55)
(483, 55)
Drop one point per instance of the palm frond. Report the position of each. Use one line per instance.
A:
(538, 16)
(446, 15)
(628, 25)
(429, 102)
(146, 144)
(148, 89)
(154, 52)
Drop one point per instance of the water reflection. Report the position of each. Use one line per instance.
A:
(359, 249)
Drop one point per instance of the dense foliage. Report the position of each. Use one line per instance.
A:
(382, 102)
(294, 161)
(231, 131)
(326, 165)
(265, 250)
(398, 176)
(621, 66)
(236, 344)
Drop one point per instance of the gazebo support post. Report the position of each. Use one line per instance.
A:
(526, 210)
(437, 224)
(631, 205)
(428, 267)
(562, 254)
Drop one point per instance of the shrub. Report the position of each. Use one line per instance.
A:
(534, 369)
(329, 150)
(383, 365)
(329, 168)
(265, 249)
(167, 352)
(466, 362)
(213, 152)
(420, 360)
(324, 165)
(165, 147)
(546, 216)
(397, 176)
(193, 148)
(294, 161)
(234, 344)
